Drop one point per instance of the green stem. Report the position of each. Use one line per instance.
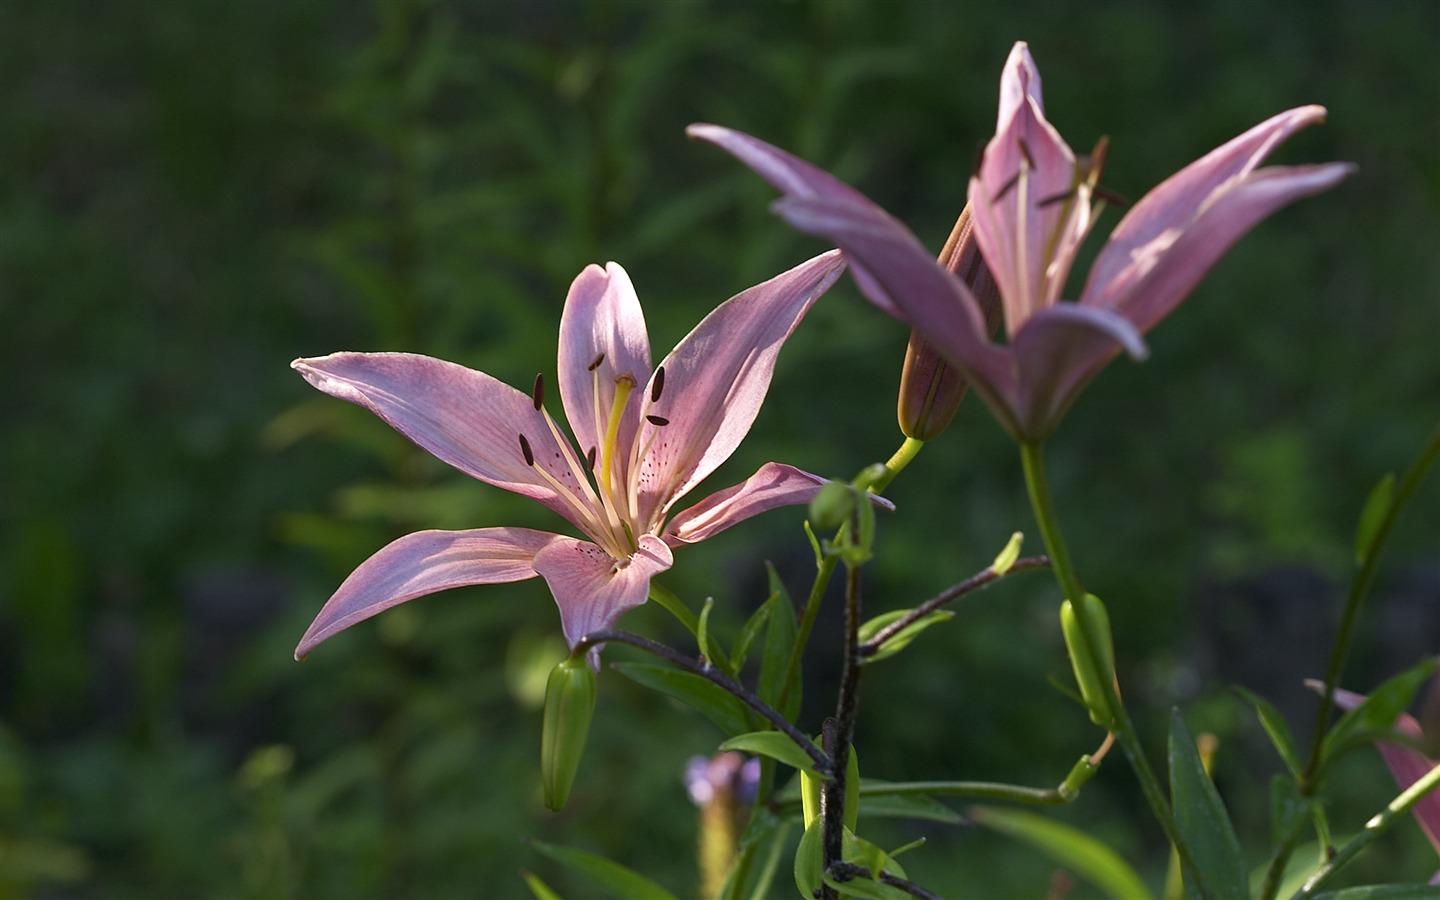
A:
(1377, 826)
(1032, 458)
(897, 463)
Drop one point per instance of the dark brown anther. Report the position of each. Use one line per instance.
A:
(1055, 198)
(590, 459)
(1006, 188)
(595, 363)
(657, 421)
(537, 393)
(1025, 152)
(1111, 197)
(526, 451)
(657, 385)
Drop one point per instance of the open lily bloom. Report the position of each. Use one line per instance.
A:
(1407, 765)
(1033, 201)
(643, 438)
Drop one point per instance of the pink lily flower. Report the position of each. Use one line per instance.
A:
(643, 438)
(1033, 201)
(1406, 764)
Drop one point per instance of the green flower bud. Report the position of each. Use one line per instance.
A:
(1093, 676)
(832, 506)
(569, 703)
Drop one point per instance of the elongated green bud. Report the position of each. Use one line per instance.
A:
(811, 785)
(1093, 676)
(930, 390)
(569, 703)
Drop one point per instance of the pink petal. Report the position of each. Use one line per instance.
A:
(716, 378)
(903, 275)
(772, 485)
(424, 563)
(1166, 270)
(461, 416)
(602, 316)
(592, 589)
(794, 177)
(1057, 353)
(1151, 227)
(1019, 82)
(1028, 238)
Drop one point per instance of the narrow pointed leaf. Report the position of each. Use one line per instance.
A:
(809, 861)
(1384, 892)
(610, 877)
(901, 639)
(740, 652)
(1276, 727)
(1201, 817)
(1377, 506)
(1067, 846)
(1288, 810)
(539, 889)
(1373, 718)
(774, 745)
(779, 643)
(696, 692)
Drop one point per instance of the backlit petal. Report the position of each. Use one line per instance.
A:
(602, 316)
(903, 274)
(461, 416)
(591, 588)
(796, 178)
(773, 485)
(716, 378)
(1151, 226)
(1406, 765)
(423, 563)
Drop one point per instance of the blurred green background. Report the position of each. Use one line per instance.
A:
(194, 193)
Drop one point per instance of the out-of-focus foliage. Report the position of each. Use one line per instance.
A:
(192, 194)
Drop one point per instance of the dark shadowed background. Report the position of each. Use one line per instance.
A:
(194, 193)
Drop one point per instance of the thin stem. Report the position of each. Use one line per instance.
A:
(807, 623)
(849, 872)
(985, 790)
(1032, 459)
(720, 679)
(949, 595)
(897, 463)
(1377, 826)
(838, 737)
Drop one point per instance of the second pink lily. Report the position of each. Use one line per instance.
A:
(1033, 201)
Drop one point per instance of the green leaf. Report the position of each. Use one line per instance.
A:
(779, 643)
(609, 876)
(1201, 817)
(901, 639)
(1375, 717)
(1276, 727)
(699, 693)
(866, 889)
(1288, 810)
(904, 806)
(1068, 847)
(774, 745)
(538, 888)
(809, 861)
(1372, 516)
(740, 652)
(771, 838)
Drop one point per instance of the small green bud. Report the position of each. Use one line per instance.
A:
(868, 476)
(1007, 557)
(1093, 676)
(832, 506)
(569, 704)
